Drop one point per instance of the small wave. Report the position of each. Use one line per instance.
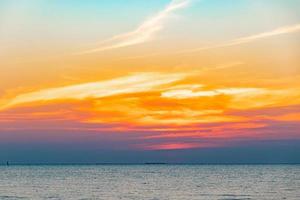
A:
(235, 197)
(6, 197)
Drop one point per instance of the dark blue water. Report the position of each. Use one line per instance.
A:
(151, 182)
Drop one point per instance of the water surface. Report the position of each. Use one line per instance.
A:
(151, 182)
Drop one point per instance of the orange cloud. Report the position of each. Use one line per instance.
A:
(167, 108)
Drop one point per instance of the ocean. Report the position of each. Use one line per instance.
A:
(150, 182)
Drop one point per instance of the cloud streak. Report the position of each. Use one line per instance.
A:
(145, 32)
(125, 85)
(186, 93)
(248, 39)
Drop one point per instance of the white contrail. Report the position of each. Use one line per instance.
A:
(238, 41)
(144, 32)
(243, 40)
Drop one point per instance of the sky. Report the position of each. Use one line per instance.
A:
(179, 81)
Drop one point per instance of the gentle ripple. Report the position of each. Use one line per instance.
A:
(150, 182)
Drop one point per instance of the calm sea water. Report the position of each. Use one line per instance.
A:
(151, 182)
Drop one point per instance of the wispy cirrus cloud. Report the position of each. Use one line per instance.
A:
(243, 40)
(145, 32)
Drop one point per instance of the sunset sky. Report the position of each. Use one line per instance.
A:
(141, 80)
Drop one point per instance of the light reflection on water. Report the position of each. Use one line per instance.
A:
(151, 182)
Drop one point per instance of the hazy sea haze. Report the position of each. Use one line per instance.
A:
(150, 182)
